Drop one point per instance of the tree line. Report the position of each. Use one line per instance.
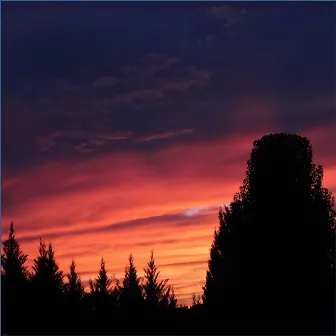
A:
(271, 268)
(48, 292)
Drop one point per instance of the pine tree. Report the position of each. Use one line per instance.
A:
(74, 287)
(154, 290)
(131, 297)
(47, 278)
(102, 284)
(14, 271)
(14, 282)
(48, 290)
(101, 289)
(74, 307)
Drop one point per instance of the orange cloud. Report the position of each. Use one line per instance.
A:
(132, 201)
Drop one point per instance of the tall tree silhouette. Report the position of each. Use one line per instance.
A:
(48, 288)
(14, 278)
(101, 289)
(155, 290)
(131, 297)
(47, 277)
(280, 242)
(13, 260)
(74, 287)
(74, 298)
(223, 276)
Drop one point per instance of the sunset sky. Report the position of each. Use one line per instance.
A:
(126, 125)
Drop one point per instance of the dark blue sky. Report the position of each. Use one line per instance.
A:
(109, 67)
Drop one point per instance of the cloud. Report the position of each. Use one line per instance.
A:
(193, 212)
(154, 76)
(85, 140)
(107, 81)
(231, 15)
(148, 222)
(163, 135)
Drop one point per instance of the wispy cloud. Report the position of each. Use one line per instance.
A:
(83, 140)
(155, 75)
(163, 135)
(230, 14)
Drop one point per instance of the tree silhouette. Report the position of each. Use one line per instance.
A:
(102, 284)
(74, 287)
(13, 260)
(48, 287)
(74, 298)
(101, 291)
(223, 276)
(131, 297)
(172, 300)
(276, 240)
(47, 275)
(169, 298)
(154, 290)
(196, 300)
(14, 278)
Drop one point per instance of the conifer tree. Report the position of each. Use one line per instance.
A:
(74, 307)
(47, 277)
(74, 287)
(48, 290)
(14, 282)
(154, 289)
(102, 284)
(14, 271)
(131, 292)
(101, 289)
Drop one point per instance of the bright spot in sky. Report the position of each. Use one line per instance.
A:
(193, 212)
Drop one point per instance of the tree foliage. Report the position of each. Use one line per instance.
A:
(13, 260)
(275, 242)
(47, 277)
(131, 291)
(74, 287)
(156, 291)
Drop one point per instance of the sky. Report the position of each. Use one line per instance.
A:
(126, 125)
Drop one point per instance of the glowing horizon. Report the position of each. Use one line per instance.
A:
(177, 224)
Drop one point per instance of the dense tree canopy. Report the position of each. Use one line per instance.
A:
(273, 252)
